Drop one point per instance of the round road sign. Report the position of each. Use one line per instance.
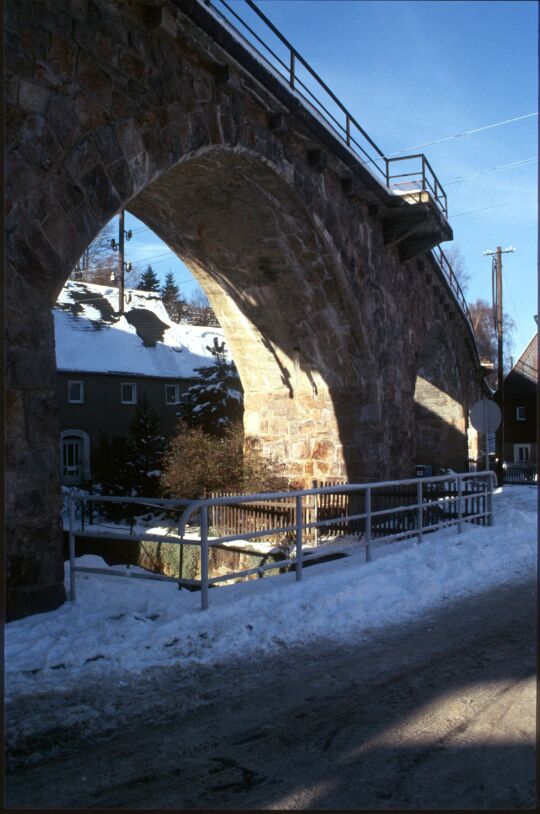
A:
(486, 416)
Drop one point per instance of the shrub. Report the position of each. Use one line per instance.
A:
(196, 462)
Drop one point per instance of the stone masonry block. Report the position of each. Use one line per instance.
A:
(33, 97)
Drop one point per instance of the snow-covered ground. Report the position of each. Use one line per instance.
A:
(119, 625)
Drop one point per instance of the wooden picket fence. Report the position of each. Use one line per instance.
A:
(267, 514)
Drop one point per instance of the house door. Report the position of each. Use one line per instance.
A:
(522, 453)
(71, 460)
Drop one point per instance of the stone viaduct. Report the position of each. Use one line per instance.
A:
(355, 356)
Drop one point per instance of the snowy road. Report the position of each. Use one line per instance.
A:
(437, 713)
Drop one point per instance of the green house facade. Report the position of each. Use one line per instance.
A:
(108, 363)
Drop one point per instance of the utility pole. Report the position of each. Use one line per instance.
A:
(122, 266)
(497, 297)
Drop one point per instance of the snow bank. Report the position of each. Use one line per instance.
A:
(123, 625)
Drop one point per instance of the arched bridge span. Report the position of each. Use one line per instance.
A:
(322, 277)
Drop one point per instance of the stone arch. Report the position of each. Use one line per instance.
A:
(115, 105)
(249, 239)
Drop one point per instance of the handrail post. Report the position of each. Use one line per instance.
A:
(387, 164)
(420, 509)
(72, 591)
(348, 129)
(204, 557)
(298, 538)
(315, 515)
(460, 507)
(490, 501)
(291, 70)
(368, 523)
(423, 173)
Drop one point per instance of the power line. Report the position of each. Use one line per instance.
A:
(155, 256)
(133, 231)
(513, 165)
(163, 255)
(465, 133)
(473, 211)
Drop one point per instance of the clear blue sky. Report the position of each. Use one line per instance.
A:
(417, 72)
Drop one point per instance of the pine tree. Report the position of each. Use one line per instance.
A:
(215, 402)
(131, 465)
(149, 280)
(146, 445)
(174, 304)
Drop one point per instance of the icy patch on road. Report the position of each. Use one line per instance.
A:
(122, 625)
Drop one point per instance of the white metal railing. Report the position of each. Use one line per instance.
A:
(445, 500)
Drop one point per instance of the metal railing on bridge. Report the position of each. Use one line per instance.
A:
(256, 31)
(409, 176)
(375, 514)
(448, 272)
(421, 179)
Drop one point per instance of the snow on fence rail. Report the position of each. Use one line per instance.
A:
(427, 504)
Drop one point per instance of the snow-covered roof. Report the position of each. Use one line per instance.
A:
(91, 337)
(530, 354)
(527, 363)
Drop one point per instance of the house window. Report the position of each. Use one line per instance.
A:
(75, 392)
(71, 459)
(520, 413)
(74, 456)
(128, 393)
(522, 453)
(172, 394)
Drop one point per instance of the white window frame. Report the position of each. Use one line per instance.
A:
(81, 385)
(133, 385)
(521, 414)
(72, 448)
(176, 394)
(84, 460)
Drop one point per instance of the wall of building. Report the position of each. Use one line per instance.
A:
(519, 391)
(103, 411)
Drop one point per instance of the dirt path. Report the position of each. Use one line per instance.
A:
(436, 714)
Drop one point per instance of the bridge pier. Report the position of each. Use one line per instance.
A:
(324, 309)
